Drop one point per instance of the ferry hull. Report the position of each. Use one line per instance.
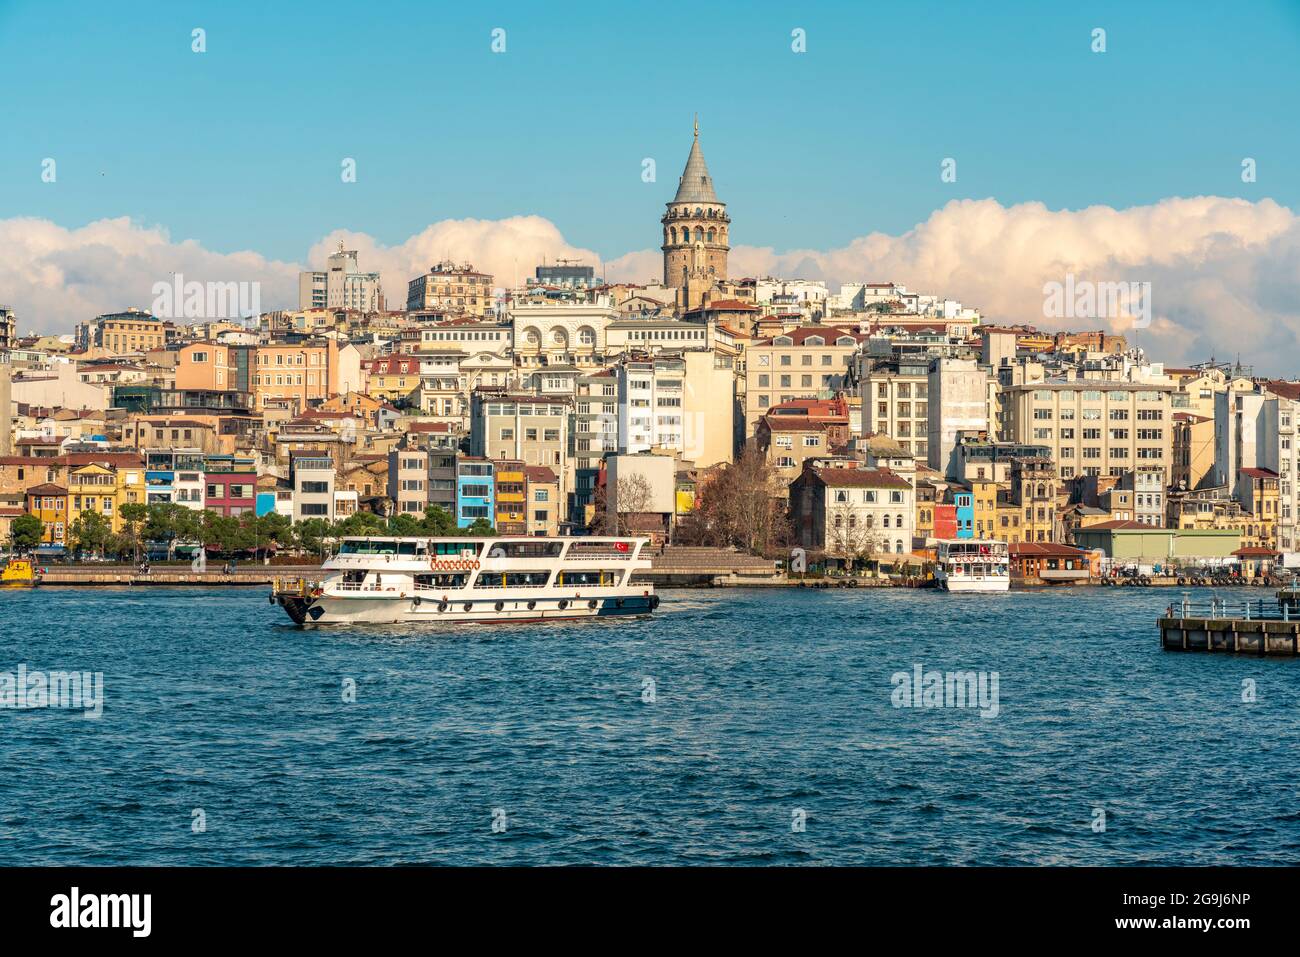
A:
(333, 610)
(976, 585)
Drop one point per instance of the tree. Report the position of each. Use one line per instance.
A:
(737, 507)
(26, 533)
(633, 495)
(134, 514)
(438, 521)
(480, 526)
(312, 534)
(848, 537)
(89, 533)
(277, 528)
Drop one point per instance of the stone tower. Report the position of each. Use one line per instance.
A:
(695, 232)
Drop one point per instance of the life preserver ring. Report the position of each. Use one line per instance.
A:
(469, 605)
(442, 606)
(500, 605)
(416, 601)
(592, 603)
(532, 605)
(564, 603)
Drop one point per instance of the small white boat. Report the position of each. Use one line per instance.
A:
(973, 565)
(459, 580)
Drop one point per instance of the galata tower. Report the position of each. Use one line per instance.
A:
(695, 232)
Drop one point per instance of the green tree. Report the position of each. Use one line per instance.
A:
(438, 521)
(405, 525)
(90, 533)
(480, 526)
(26, 533)
(274, 527)
(312, 534)
(360, 523)
(134, 514)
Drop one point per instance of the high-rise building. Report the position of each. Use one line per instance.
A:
(342, 285)
(695, 231)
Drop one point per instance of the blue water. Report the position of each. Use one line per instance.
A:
(765, 702)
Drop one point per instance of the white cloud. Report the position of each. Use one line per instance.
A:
(1225, 273)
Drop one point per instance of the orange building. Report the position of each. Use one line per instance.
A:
(279, 375)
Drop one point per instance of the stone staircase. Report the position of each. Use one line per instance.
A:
(693, 563)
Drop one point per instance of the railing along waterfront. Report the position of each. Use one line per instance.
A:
(1260, 609)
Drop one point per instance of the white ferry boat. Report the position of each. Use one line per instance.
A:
(973, 564)
(459, 580)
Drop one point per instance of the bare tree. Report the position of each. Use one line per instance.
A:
(848, 537)
(632, 495)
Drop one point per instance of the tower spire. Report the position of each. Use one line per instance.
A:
(697, 126)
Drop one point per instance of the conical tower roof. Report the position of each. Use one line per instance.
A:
(696, 185)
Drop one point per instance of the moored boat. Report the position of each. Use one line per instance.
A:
(973, 565)
(20, 573)
(382, 580)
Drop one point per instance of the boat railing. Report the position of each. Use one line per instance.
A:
(602, 555)
(1258, 609)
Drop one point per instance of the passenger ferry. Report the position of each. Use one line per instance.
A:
(973, 564)
(460, 580)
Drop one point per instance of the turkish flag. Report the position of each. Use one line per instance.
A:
(620, 546)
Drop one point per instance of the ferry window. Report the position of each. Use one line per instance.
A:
(450, 580)
(526, 579)
(589, 578)
(406, 548)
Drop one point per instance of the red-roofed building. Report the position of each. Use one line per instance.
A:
(809, 362)
(849, 512)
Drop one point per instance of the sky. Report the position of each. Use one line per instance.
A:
(226, 164)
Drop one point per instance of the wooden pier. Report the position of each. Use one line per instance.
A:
(1258, 627)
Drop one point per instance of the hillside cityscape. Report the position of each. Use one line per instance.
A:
(859, 425)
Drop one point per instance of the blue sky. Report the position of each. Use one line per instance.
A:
(240, 147)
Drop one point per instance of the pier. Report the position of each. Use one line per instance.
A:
(1250, 627)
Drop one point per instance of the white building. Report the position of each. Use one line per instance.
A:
(341, 286)
(958, 396)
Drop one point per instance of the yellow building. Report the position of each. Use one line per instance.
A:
(511, 498)
(393, 377)
(104, 487)
(984, 502)
(48, 502)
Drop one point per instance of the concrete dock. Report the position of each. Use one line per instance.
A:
(1249, 627)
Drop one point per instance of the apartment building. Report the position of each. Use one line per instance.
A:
(312, 478)
(121, 333)
(408, 480)
(1093, 427)
(230, 484)
(544, 501)
(850, 513)
(961, 399)
(475, 490)
(450, 288)
(809, 362)
(287, 376)
(341, 285)
(530, 429)
(895, 402)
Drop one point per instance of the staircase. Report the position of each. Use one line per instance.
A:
(692, 564)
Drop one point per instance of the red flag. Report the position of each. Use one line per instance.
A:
(620, 546)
